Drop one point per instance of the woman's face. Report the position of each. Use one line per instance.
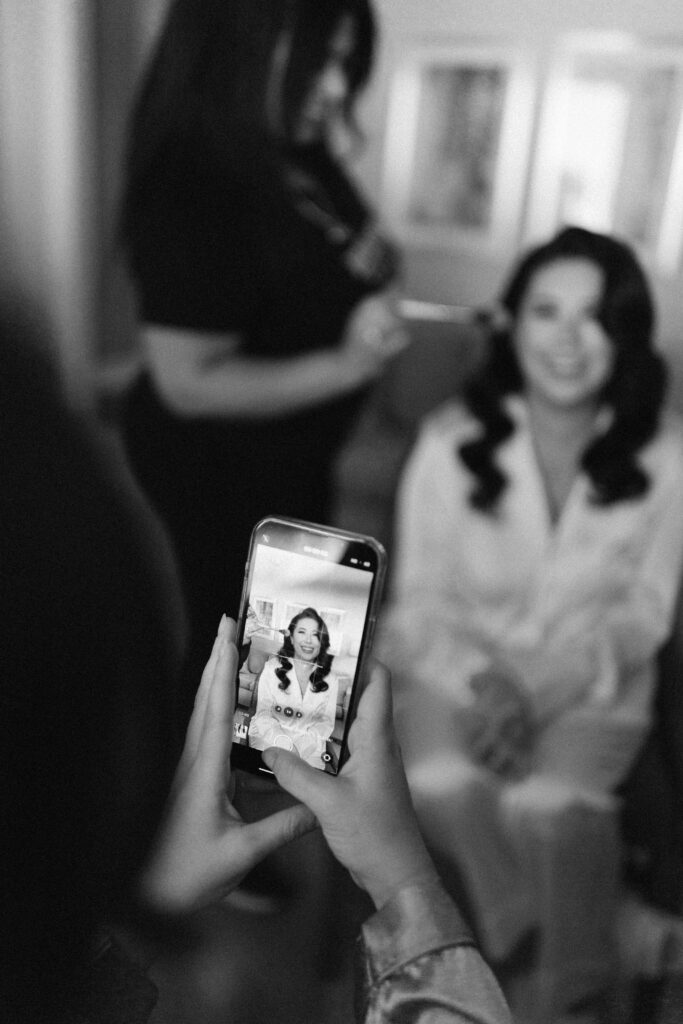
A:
(330, 87)
(564, 354)
(306, 639)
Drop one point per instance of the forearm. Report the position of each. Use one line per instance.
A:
(311, 740)
(265, 727)
(430, 649)
(420, 964)
(323, 725)
(251, 389)
(205, 375)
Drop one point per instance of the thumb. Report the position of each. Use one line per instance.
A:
(303, 782)
(268, 834)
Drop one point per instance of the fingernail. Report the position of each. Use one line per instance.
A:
(268, 757)
(222, 624)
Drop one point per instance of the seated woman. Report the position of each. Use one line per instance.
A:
(296, 703)
(539, 548)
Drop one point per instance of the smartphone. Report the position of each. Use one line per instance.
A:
(307, 617)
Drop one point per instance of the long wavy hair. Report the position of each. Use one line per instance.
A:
(324, 661)
(234, 74)
(634, 392)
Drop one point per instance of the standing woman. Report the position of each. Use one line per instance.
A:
(260, 274)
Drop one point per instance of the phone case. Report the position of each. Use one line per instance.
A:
(310, 600)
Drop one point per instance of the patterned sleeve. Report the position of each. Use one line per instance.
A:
(420, 965)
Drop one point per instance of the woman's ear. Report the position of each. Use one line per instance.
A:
(497, 317)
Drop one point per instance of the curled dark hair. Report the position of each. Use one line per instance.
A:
(233, 75)
(634, 392)
(325, 659)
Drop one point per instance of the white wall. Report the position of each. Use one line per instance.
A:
(67, 77)
(47, 122)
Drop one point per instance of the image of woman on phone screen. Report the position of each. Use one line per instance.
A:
(297, 698)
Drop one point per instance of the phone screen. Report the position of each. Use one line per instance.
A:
(308, 612)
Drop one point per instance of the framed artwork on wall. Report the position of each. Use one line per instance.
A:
(334, 620)
(610, 146)
(457, 144)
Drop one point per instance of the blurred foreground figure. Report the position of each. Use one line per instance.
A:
(96, 845)
(539, 555)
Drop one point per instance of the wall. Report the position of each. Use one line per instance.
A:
(46, 122)
(463, 274)
(67, 75)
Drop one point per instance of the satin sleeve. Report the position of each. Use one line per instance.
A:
(419, 964)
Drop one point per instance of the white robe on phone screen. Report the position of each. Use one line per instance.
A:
(286, 718)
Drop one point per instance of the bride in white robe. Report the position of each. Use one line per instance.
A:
(522, 634)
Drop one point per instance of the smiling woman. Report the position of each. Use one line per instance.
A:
(538, 558)
(306, 641)
(297, 698)
(578, 345)
(566, 359)
(564, 352)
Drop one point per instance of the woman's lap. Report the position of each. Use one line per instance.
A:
(542, 851)
(589, 751)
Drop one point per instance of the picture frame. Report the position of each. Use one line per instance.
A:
(609, 152)
(459, 124)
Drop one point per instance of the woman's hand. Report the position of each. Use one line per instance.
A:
(374, 335)
(365, 812)
(499, 725)
(204, 848)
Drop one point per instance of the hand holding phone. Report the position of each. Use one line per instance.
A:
(204, 849)
(307, 616)
(366, 813)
